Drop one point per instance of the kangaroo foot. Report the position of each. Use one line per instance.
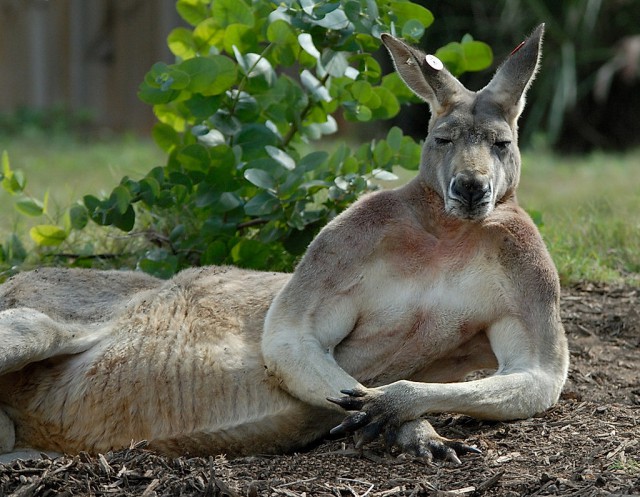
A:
(418, 438)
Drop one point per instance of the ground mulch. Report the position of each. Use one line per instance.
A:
(586, 445)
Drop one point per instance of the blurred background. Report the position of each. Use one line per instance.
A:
(78, 64)
(71, 120)
(80, 60)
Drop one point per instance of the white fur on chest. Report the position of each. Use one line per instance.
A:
(406, 324)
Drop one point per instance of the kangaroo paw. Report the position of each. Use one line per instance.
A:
(417, 437)
(370, 412)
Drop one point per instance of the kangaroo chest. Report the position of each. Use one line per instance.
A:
(430, 326)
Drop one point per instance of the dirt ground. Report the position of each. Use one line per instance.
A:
(586, 445)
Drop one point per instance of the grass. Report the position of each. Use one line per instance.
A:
(590, 209)
(625, 465)
(67, 169)
(588, 206)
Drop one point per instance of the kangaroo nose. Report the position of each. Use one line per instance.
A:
(469, 189)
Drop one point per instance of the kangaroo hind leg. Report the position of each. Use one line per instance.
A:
(29, 336)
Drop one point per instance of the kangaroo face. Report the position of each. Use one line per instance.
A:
(470, 156)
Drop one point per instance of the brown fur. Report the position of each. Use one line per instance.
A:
(395, 301)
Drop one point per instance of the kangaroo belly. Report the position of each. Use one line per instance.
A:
(181, 368)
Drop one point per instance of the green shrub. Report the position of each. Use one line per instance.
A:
(253, 86)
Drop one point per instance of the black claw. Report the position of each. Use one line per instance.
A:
(351, 423)
(461, 448)
(347, 403)
(451, 456)
(354, 392)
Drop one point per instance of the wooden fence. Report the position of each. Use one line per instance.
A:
(84, 54)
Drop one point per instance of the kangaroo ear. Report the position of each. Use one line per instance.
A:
(424, 74)
(513, 78)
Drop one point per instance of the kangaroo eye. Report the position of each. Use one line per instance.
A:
(502, 145)
(441, 141)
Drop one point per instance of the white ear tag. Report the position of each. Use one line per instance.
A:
(434, 62)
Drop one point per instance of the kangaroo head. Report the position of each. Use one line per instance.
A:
(470, 156)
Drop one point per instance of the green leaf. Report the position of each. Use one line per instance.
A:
(306, 42)
(159, 263)
(215, 253)
(241, 36)
(192, 11)
(195, 157)
(156, 96)
(165, 136)
(13, 182)
(367, 66)
(208, 34)
(281, 33)
(389, 105)
(228, 201)
(260, 178)
(126, 220)
(166, 77)
(91, 202)
(48, 235)
(363, 113)
(45, 203)
(394, 138)
(227, 12)
(336, 20)
(202, 107)
(398, 88)
(263, 204)
(406, 11)
(478, 55)
(168, 114)
(120, 199)
(280, 156)
(30, 207)
(210, 75)
(313, 161)
(413, 29)
(253, 138)
(181, 43)
(78, 216)
(382, 153)
(467, 56)
(149, 190)
(335, 63)
(361, 91)
(250, 253)
(410, 154)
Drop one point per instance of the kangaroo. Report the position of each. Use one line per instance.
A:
(395, 301)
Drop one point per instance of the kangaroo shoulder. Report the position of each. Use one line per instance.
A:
(522, 251)
(357, 231)
(338, 253)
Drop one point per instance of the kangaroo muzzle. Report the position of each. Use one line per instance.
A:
(470, 195)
